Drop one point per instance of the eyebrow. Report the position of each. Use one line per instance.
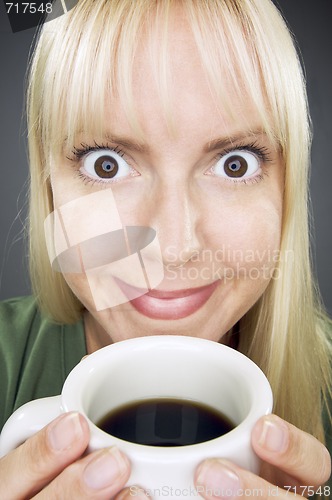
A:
(223, 142)
(128, 144)
(121, 141)
(215, 144)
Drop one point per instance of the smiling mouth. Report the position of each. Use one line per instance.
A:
(176, 304)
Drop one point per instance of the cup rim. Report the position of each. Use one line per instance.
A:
(75, 382)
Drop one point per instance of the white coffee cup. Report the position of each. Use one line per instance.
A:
(158, 367)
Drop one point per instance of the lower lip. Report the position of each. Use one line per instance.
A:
(173, 308)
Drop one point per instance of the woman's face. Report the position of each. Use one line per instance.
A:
(211, 189)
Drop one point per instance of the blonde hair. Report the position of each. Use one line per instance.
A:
(87, 54)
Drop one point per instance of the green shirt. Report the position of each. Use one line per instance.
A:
(36, 354)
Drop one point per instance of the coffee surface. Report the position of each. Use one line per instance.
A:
(165, 422)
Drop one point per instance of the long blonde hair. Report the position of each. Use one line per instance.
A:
(87, 54)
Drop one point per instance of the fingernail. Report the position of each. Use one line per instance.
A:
(218, 480)
(65, 431)
(108, 466)
(273, 435)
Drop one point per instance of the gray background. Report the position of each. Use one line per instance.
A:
(310, 21)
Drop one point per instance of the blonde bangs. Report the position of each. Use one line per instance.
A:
(232, 39)
(86, 59)
(78, 63)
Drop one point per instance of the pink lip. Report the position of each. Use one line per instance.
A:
(177, 304)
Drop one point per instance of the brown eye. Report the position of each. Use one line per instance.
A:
(106, 167)
(235, 166)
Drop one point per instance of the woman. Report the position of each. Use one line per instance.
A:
(190, 118)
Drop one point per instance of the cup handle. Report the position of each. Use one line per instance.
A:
(27, 420)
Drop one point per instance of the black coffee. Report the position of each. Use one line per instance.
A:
(165, 422)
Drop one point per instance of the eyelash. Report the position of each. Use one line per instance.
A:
(261, 152)
(79, 153)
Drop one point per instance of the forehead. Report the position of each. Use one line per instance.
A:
(169, 77)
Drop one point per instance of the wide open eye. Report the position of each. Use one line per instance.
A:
(237, 164)
(105, 164)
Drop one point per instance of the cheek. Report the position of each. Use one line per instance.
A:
(255, 228)
(249, 237)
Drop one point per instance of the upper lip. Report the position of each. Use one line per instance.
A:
(172, 294)
(176, 294)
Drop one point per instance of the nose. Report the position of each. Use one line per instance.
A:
(175, 218)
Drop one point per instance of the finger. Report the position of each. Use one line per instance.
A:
(25, 471)
(133, 492)
(220, 479)
(100, 475)
(291, 450)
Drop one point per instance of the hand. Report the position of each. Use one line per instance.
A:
(290, 458)
(50, 465)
